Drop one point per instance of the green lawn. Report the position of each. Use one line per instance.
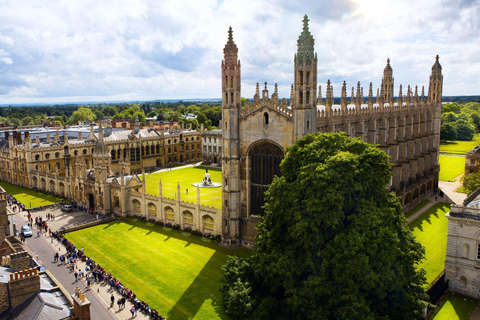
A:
(430, 230)
(186, 176)
(418, 207)
(451, 167)
(175, 272)
(457, 307)
(29, 198)
(460, 146)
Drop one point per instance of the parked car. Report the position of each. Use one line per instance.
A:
(67, 208)
(26, 231)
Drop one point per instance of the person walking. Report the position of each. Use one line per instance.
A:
(112, 300)
(76, 276)
(132, 310)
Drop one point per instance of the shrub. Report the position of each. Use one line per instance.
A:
(197, 233)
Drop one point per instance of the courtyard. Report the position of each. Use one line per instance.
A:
(186, 176)
(457, 307)
(30, 198)
(430, 229)
(175, 272)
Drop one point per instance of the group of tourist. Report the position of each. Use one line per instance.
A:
(14, 204)
(94, 273)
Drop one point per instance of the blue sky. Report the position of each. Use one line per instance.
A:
(103, 50)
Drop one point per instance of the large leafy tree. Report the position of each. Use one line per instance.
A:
(471, 182)
(83, 114)
(333, 243)
(465, 131)
(447, 132)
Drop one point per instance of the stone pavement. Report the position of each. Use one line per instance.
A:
(43, 249)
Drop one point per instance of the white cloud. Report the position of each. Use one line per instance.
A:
(146, 49)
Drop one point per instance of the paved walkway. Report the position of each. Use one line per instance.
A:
(476, 313)
(43, 249)
(449, 188)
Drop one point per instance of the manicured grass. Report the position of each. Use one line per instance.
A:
(430, 229)
(451, 167)
(457, 307)
(461, 190)
(30, 198)
(460, 146)
(175, 272)
(418, 207)
(186, 176)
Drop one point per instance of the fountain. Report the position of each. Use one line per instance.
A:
(207, 182)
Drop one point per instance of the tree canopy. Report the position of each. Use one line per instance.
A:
(471, 182)
(333, 243)
(83, 114)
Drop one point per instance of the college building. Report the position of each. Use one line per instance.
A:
(255, 136)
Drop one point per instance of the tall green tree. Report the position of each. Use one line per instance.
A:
(447, 132)
(333, 243)
(465, 131)
(83, 114)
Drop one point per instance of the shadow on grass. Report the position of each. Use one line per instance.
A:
(205, 285)
(427, 215)
(197, 293)
(462, 306)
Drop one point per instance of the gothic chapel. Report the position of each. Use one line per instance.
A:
(255, 135)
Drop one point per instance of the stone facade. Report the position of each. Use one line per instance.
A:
(81, 305)
(472, 161)
(23, 285)
(255, 135)
(462, 262)
(4, 305)
(20, 261)
(65, 166)
(212, 147)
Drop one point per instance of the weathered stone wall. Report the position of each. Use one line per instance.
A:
(81, 305)
(20, 261)
(461, 264)
(3, 216)
(22, 285)
(3, 297)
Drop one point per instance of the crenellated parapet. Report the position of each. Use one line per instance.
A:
(281, 106)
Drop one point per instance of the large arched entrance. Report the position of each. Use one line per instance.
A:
(91, 201)
(265, 158)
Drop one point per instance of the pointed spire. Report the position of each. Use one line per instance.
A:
(320, 99)
(388, 69)
(436, 66)
(352, 97)
(343, 98)
(276, 89)
(257, 90)
(400, 96)
(292, 96)
(305, 44)
(423, 93)
(329, 96)
(370, 94)
(416, 93)
(359, 95)
(377, 98)
(230, 49)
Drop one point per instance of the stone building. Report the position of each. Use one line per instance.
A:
(462, 262)
(105, 172)
(65, 166)
(255, 136)
(212, 147)
(472, 160)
